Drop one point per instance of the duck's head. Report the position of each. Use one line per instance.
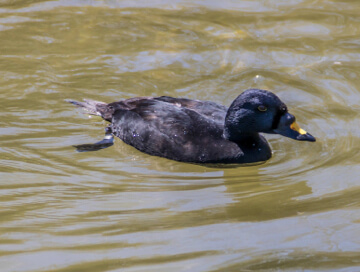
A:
(256, 111)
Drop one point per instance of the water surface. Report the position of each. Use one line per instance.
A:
(121, 210)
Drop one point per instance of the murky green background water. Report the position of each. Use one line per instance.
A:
(121, 210)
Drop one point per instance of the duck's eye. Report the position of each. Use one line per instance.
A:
(262, 108)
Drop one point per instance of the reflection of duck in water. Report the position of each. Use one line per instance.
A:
(197, 131)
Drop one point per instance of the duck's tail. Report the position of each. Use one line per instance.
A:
(93, 107)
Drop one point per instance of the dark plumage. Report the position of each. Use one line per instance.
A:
(198, 131)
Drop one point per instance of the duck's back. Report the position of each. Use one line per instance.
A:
(209, 109)
(175, 128)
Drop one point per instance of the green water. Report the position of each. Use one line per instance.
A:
(121, 210)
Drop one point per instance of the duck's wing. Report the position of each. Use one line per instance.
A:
(172, 121)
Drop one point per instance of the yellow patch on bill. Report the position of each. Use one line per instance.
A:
(296, 127)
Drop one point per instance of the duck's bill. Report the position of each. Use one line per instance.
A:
(294, 131)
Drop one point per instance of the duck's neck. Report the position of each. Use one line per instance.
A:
(239, 136)
(237, 128)
(253, 146)
(240, 129)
